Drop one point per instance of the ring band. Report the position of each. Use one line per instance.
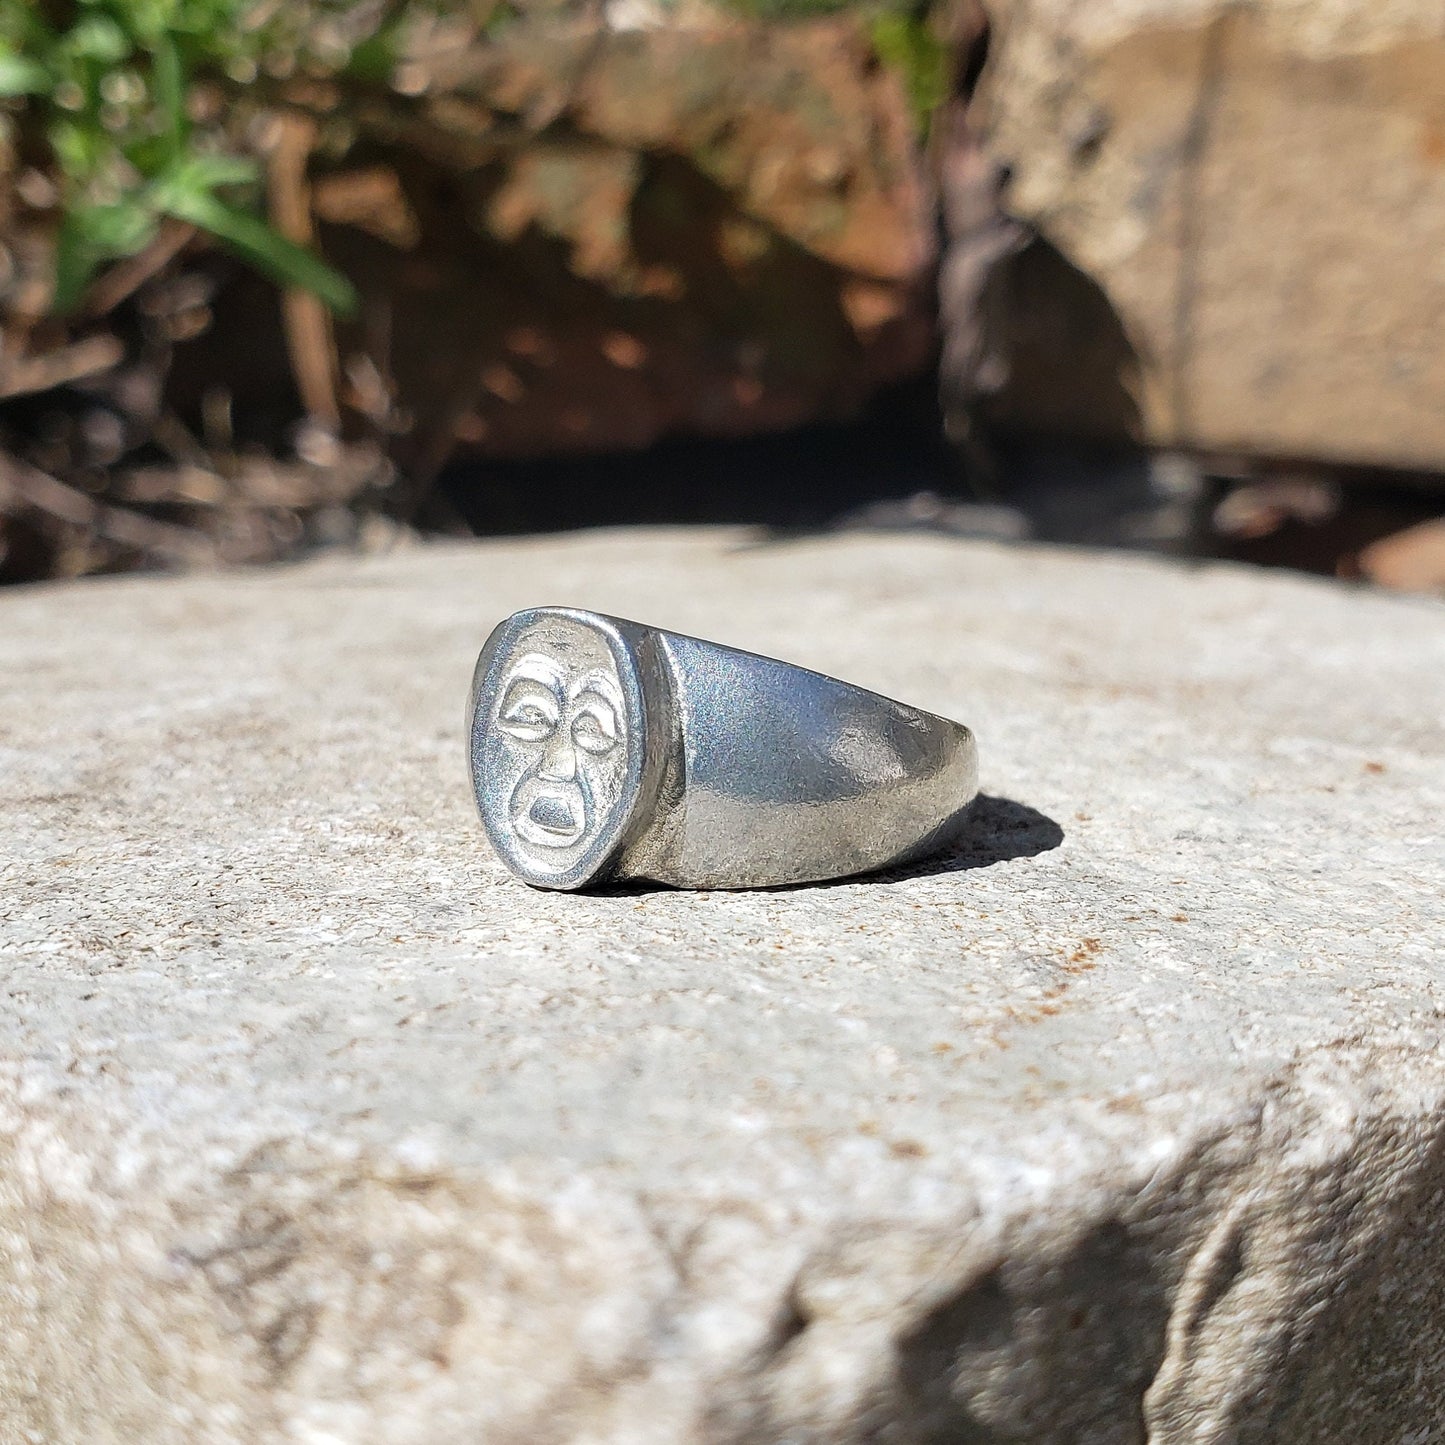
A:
(602, 750)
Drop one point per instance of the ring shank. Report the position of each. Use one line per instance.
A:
(791, 776)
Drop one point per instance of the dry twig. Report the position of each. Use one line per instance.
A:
(27, 375)
(308, 325)
(128, 276)
(29, 486)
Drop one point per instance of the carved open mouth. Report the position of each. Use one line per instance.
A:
(550, 817)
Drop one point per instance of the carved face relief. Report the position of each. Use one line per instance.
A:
(555, 754)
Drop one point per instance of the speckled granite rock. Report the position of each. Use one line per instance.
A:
(1126, 1123)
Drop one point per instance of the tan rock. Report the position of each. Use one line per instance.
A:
(1412, 560)
(1259, 192)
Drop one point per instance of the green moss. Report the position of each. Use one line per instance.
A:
(906, 41)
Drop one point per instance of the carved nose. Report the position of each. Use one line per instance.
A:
(559, 763)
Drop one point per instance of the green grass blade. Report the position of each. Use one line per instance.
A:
(169, 77)
(267, 250)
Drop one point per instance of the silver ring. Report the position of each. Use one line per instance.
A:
(602, 750)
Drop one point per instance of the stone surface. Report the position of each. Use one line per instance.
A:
(1125, 1123)
(1257, 191)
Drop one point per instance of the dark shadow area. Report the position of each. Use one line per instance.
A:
(1093, 494)
(998, 831)
(1069, 369)
(1099, 1284)
(1030, 442)
(892, 471)
(889, 470)
(806, 478)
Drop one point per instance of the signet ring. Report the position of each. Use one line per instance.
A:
(604, 751)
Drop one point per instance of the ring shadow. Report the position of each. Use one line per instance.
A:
(997, 830)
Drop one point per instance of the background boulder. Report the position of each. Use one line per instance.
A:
(1256, 194)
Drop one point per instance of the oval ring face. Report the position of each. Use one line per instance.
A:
(556, 744)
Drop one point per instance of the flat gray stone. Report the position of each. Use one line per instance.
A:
(1127, 1123)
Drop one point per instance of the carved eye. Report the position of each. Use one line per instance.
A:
(529, 713)
(594, 729)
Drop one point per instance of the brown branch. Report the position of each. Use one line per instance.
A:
(27, 375)
(128, 276)
(19, 481)
(307, 322)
